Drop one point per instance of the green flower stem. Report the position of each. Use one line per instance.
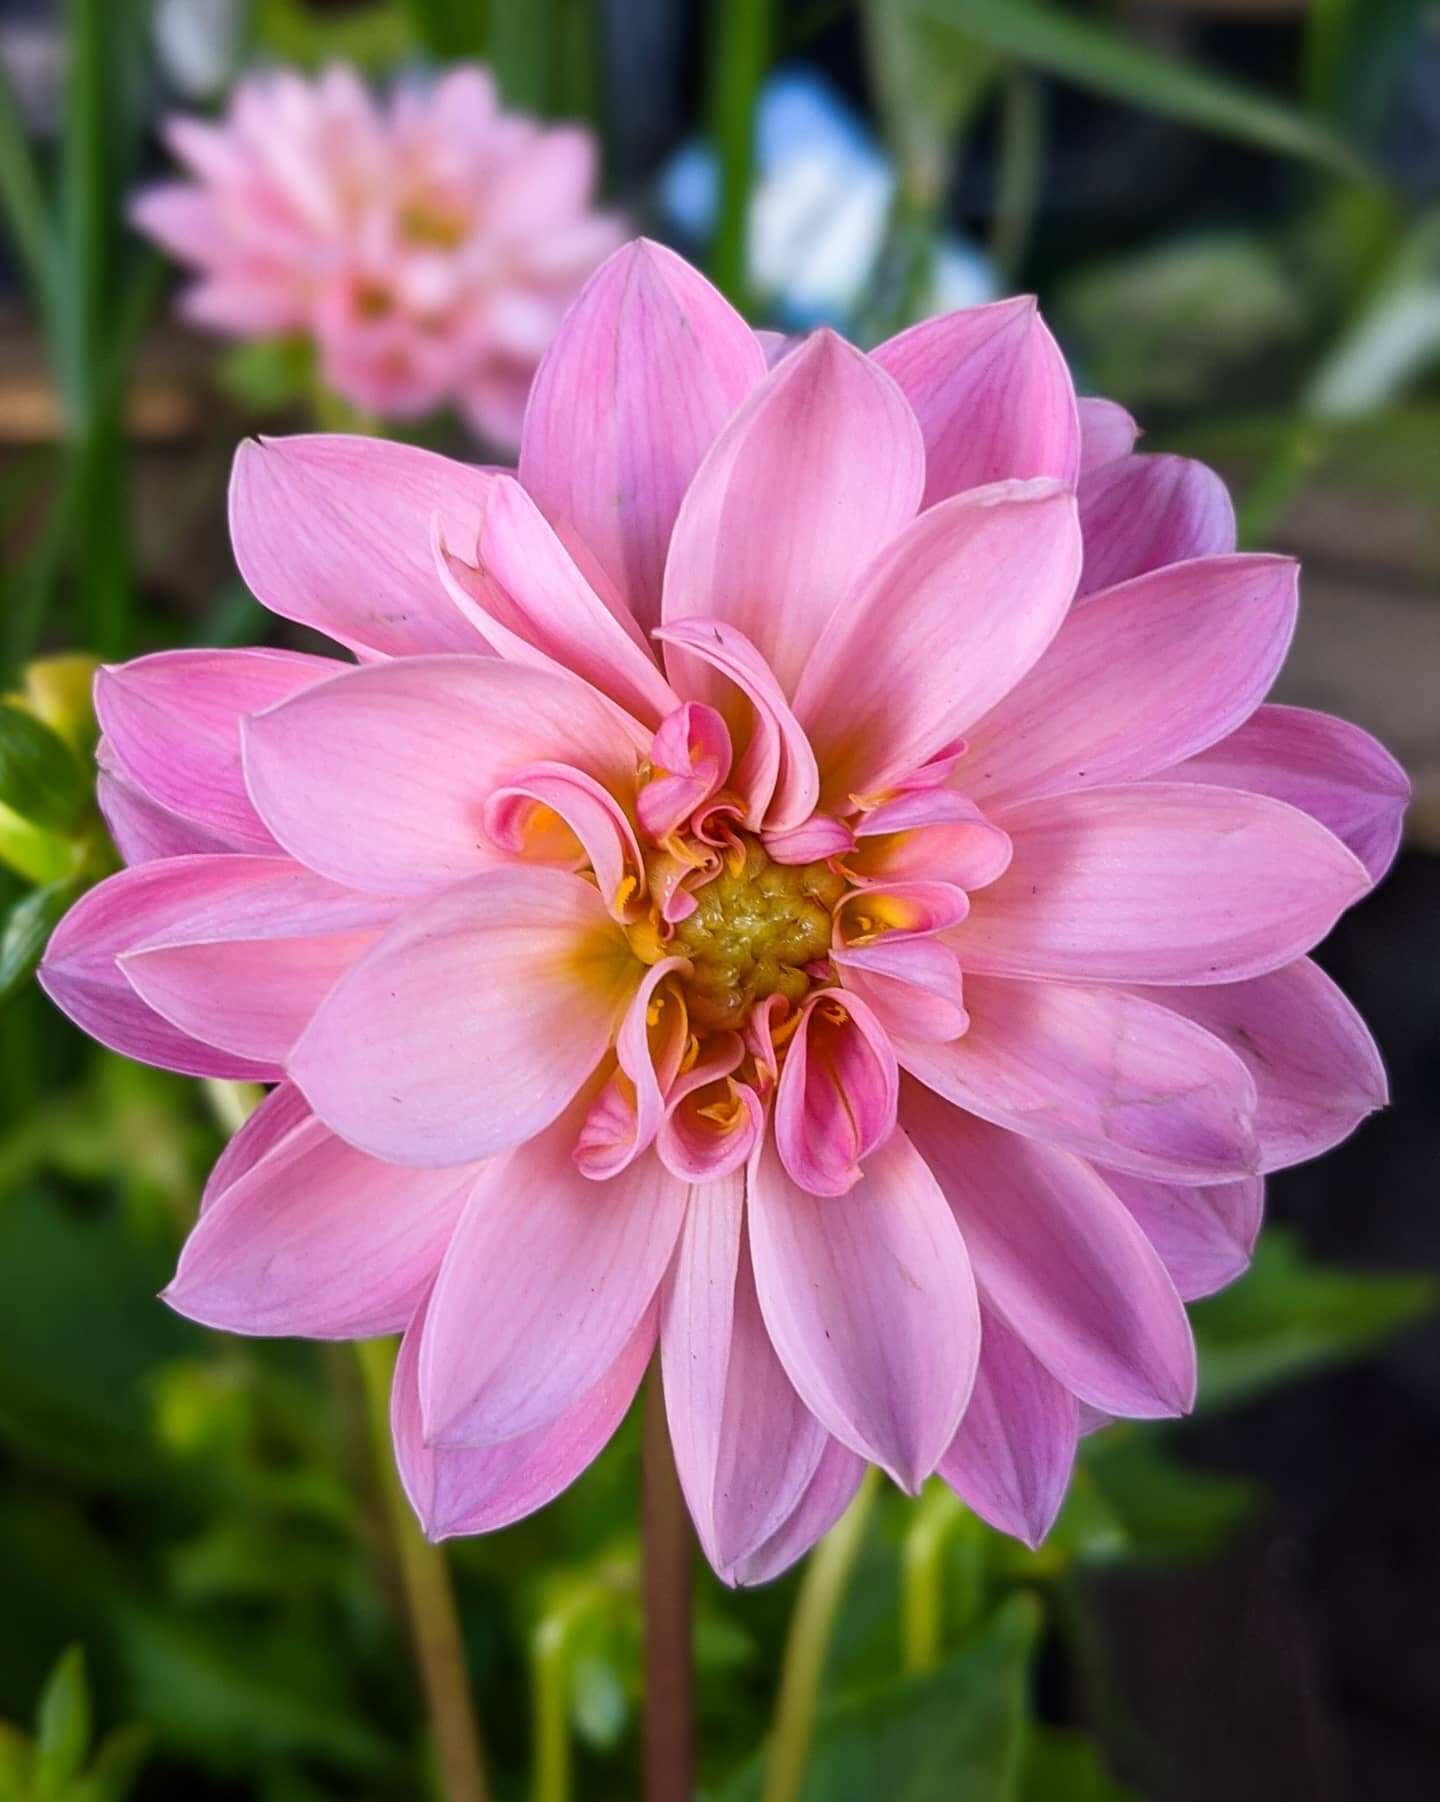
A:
(429, 1598)
(669, 1649)
(922, 1575)
(822, 1589)
(550, 1692)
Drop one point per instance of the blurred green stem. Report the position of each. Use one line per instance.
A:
(822, 1589)
(1022, 165)
(429, 1598)
(741, 37)
(935, 1518)
(669, 1650)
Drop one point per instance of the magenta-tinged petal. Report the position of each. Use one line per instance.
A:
(548, 813)
(821, 467)
(472, 1023)
(283, 1109)
(477, 1490)
(1316, 1068)
(379, 777)
(547, 1277)
(1203, 1236)
(942, 624)
(1157, 883)
(836, 1101)
(869, 1301)
(1141, 513)
(648, 1046)
(992, 394)
(1012, 1458)
(936, 833)
(1100, 1072)
(1138, 678)
(649, 364)
(913, 986)
(1106, 431)
(827, 1495)
(172, 723)
(1061, 1261)
(335, 532)
(315, 1239)
(820, 838)
(1326, 767)
(690, 759)
(143, 830)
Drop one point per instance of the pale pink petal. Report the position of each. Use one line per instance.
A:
(1204, 1236)
(1062, 1263)
(913, 986)
(710, 1127)
(942, 624)
(1106, 431)
(1012, 1458)
(143, 830)
(1138, 678)
(935, 833)
(172, 724)
(649, 364)
(992, 394)
(335, 532)
(1100, 1072)
(869, 1301)
(379, 777)
(889, 911)
(477, 1490)
(548, 813)
(836, 1101)
(1159, 882)
(182, 219)
(547, 1277)
(648, 1047)
(1326, 767)
(820, 838)
(1317, 1070)
(472, 1023)
(1140, 513)
(828, 1494)
(690, 758)
(283, 1109)
(822, 465)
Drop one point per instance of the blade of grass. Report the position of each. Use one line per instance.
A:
(22, 201)
(743, 32)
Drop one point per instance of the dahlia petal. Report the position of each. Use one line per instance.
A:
(143, 830)
(546, 1279)
(636, 1045)
(477, 1490)
(378, 777)
(180, 218)
(914, 987)
(1326, 767)
(690, 758)
(1012, 1458)
(886, 912)
(1106, 431)
(1317, 1070)
(549, 808)
(836, 1100)
(1139, 677)
(172, 725)
(821, 466)
(317, 1240)
(335, 532)
(1204, 1235)
(283, 1109)
(1157, 883)
(935, 833)
(1138, 1087)
(992, 394)
(870, 1303)
(951, 614)
(821, 837)
(827, 1495)
(1142, 512)
(472, 1023)
(710, 1128)
(647, 367)
(1061, 1261)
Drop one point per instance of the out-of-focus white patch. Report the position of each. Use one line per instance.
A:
(198, 43)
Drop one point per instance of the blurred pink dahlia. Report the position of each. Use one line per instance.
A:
(802, 874)
(429, 248)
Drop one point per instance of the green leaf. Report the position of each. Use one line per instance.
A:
(39, 775)
(374, 37)
(117, 1764)
(62, 1725)
(1093, 56)
(956, 1731)
(27, 930)
(743, 33)
(22, 202)
(1062, 1766)
(450, 28)
(1286, 1318)
(1166, 1509)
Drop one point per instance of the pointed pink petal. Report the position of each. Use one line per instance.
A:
(646, 369)
(1143, 512)
(1326, 767)
(143, 830)
(914, 987)
(1316, 1068)
(992, 394)
(1106, 431)
(1012, 1458)
(335, 532)
(472, 1023)
(935, 833)
(1159, 882)
(950, 615)
(172, 723)
(828, 1494)
(1062, 1263)
(1100, 1072)
(1203, 1236)
(836, 1100)
(282, 1110)
(478, 1490)
(589, 826)
(869, 1301)
(378, 778)
(1138, 678)
(547, 1277)
(821, 467)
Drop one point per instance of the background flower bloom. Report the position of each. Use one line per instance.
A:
(429, 246)
(804, 873)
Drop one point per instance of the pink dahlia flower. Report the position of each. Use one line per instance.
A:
(429, 248)
(803, 875)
